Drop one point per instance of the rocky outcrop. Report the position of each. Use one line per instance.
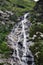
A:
(5, 17)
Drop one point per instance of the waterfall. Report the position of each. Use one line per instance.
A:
(18, 40)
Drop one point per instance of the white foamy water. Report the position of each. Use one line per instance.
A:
(18, 40)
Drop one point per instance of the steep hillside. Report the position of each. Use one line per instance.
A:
(10, 10)
(17, 6)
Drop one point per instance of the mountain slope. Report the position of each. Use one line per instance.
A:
(17, 6)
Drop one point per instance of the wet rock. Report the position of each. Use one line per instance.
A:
(22, 54)
(20, 45)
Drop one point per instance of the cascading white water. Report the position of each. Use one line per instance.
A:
(25, 41)
(18, 40)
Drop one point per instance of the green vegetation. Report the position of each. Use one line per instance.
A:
(4, 49)
(19, 7)
(4, 31)
(1, 63)
(38, 12)
(37, 50)
(37, 30)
